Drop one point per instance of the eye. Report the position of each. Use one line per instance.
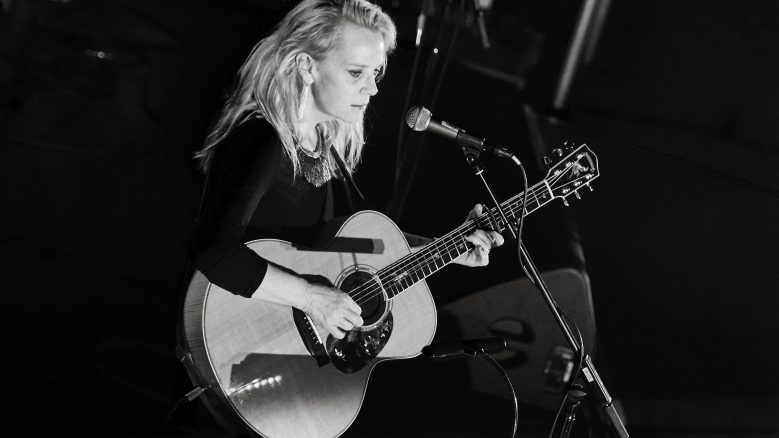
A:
(355, 73)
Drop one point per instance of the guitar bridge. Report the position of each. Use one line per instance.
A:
(310, 338)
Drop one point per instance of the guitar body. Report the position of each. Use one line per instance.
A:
(253, 355)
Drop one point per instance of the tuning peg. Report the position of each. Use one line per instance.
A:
(577, 195)
(565, 203)
(547, 161)
(589, 187)
(558, 152)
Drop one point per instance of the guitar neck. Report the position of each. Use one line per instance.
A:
(415, 267)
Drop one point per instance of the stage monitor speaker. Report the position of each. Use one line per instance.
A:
(537, 358)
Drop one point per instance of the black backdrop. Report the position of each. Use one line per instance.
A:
(679, 102)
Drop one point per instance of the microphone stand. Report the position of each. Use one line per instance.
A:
(587, 368)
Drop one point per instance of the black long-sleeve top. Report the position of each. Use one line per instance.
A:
(251, 193)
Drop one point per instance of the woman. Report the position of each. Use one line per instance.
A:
(302, 90)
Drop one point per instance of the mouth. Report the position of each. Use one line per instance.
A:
(360, 107)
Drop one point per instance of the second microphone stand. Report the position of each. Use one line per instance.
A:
(587, 368)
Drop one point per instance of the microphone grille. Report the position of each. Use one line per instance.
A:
(418, 118)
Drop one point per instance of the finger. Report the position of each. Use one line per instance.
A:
(354, 307)
(344, 324)
(336, 332)
(485, 257)
(481, 256)
(475, 211)
(497, 238)
(478, 247)
(353, 319)
(480, 238)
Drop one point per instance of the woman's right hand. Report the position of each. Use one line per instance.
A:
(327, 306)
(332, 309)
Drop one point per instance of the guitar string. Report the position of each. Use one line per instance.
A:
(452, 242)
(372, 288)
(446, 243)
(427, 257)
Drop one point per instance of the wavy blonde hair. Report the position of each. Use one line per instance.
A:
(269, 86)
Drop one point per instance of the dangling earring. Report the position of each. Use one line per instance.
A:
(302, 104)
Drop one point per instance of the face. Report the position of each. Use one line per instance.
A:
(345, 80)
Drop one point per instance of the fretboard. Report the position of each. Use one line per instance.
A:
(417, 266)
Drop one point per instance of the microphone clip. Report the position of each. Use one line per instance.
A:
(474, 146)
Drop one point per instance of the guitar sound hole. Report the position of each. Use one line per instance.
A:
(367, 293)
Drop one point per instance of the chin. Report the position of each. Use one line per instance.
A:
(352, 118)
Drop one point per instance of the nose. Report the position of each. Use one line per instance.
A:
(370, 86)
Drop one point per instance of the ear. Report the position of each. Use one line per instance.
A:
(306, 67)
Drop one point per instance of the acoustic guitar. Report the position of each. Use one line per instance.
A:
(269, 368)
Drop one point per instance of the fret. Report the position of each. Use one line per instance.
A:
(532, 198)
(548, 188)
(392, 289)
(534, 201)
(450, 255)
(461, 248)
(436, 260)
(433, 263)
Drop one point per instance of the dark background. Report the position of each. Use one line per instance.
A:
(103, 102)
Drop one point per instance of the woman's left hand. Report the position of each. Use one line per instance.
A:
(482, 242)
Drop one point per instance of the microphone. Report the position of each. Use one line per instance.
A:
(419, 119)
(452, 350)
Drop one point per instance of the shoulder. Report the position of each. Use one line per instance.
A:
(252, 144)
(250, 136)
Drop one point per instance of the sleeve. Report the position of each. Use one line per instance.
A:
(244, 167)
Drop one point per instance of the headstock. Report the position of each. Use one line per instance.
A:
(575, 169)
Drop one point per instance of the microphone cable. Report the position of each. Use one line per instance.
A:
(491, 360)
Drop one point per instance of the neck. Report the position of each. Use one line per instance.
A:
(310, 136)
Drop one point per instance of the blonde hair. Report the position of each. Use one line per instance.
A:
(269, 86)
